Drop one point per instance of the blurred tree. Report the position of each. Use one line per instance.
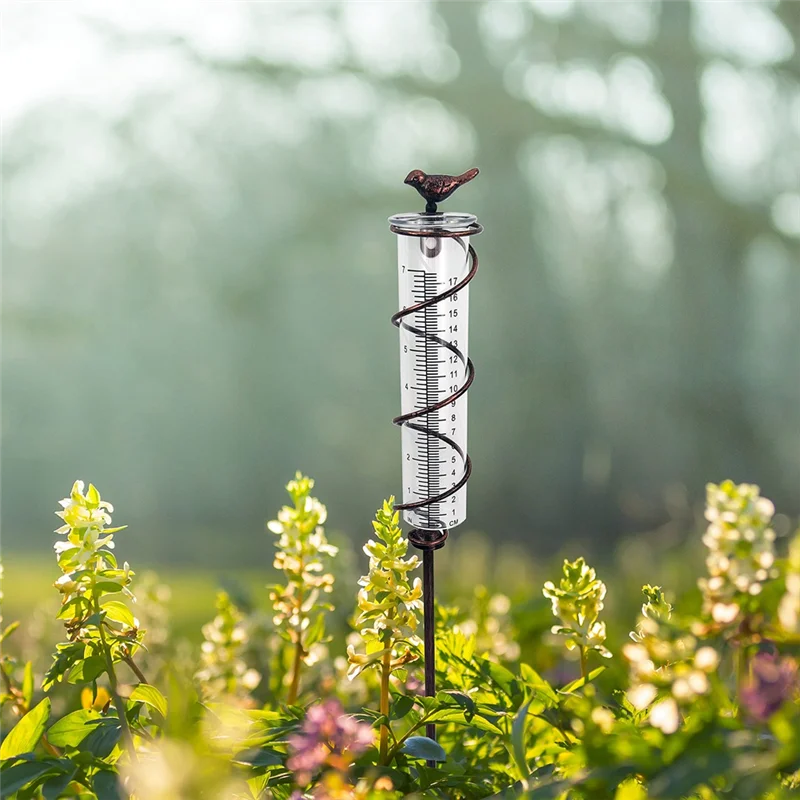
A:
(199, 274)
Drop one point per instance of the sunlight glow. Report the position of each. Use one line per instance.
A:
(746, 30)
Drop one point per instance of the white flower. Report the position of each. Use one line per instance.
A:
(642, 695)
(603, 718)
(635, 652)
(698, 682)
(664, 716)
(706, 659)
(681, 689)
(251, 679)
(724, 612)
(65, 584)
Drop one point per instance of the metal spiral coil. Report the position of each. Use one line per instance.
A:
(436, 538)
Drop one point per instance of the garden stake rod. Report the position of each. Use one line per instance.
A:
(435, 264)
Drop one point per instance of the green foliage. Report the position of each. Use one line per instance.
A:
(704, 711)
(26, 733)
(424, 748)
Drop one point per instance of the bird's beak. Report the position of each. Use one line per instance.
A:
(409, 178)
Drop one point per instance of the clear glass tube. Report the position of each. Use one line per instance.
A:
(433, 366)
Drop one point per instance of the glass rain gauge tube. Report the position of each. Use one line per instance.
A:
(435, 265)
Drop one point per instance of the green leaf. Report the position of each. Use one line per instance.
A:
(571, 687)
(631, 790)
(513, 792)
(483, 723)
(54, 787)
(518, 741)
(401, 705)
(105, 785)
(315, 632)
(25, 735)
(502, 678)
(259, 757)
(27, 684)
(102, 740)
(542, 690)
(423, 747)
(95, 620)
(75, 607)
(14, 778)
(258, 785)
(87, 669)
(465, 701)
(71, 730)
(107, 587)
(66, 656)
(457, 716)
(119, 612)
(9, 630)
(149, 695)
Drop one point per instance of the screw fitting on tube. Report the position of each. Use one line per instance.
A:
(427, 540)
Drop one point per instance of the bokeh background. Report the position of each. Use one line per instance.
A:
(198, 273)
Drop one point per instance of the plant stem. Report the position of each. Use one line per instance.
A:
(584, 673)
(117, 700)
(296, 666)
(139, 674)
(398, 743)
(386, 668)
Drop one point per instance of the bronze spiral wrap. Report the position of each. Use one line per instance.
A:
(433, 539)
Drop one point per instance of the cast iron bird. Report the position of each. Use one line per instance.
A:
(435, 188)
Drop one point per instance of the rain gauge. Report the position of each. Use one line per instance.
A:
(435, 264)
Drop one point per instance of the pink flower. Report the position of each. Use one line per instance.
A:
(773, 682)
(329, 737)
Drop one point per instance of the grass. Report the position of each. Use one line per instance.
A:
(28, 585)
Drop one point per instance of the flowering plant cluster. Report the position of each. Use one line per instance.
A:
(696, 703)
(302, 548)
(665, 663)
(102, 631)
(741, 549)
(328, 738)
(223, 670)
(577, 601)
(387, 603)
(789, 608)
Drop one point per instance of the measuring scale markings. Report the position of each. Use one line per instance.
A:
(433, 366)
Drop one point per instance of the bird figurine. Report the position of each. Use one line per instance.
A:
(435, 188)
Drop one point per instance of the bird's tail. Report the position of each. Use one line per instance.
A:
(468, 175)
